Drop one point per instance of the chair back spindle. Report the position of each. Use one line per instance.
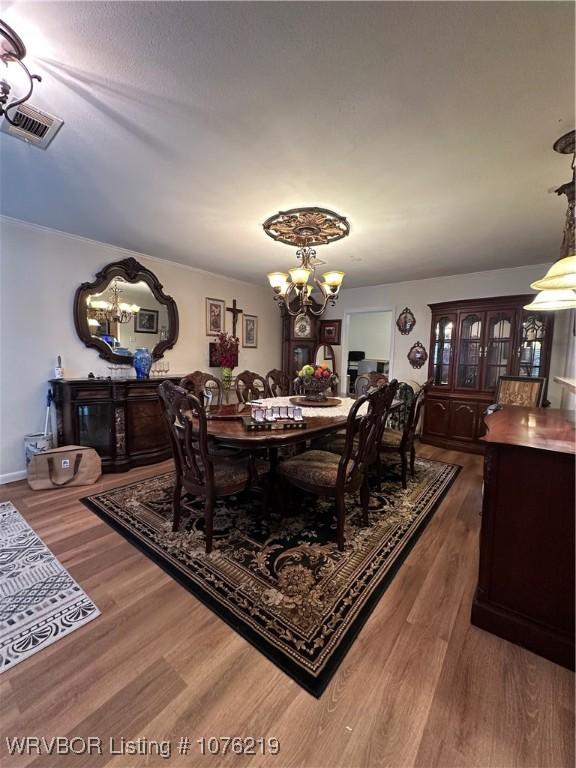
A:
(186, 418)
(361, 452)
(278, 383)
(202, 385)
(250, 386)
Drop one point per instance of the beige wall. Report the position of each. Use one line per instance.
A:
(39, 273)
(418, 294)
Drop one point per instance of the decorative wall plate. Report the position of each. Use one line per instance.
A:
(417, 355)
(406, 321)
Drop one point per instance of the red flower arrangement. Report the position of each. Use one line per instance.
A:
(226, 352)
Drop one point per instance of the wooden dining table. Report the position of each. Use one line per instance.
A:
(226, 427)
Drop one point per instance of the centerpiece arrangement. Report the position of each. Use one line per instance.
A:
(315, 381)
(226, 357)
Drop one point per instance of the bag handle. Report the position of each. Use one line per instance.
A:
(77, 461)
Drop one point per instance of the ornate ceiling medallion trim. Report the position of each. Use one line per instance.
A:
(306, 227)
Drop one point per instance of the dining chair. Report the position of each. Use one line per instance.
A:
(399, 416)
(402, 440)
(199, 382)
(199, 471)
(326, 474)
(278, 383)
(250, 386)
(367, 381)
(520, 390)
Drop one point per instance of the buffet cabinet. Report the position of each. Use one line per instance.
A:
(473, 343)
(525, 590)
(121, 418)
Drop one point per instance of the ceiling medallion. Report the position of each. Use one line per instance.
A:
(12, 51)
(305, 228)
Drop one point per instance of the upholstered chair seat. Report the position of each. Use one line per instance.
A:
(392, 438)
(329, 474)
(234, 476)
(313, 468)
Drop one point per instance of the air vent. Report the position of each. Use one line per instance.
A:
(32, 125)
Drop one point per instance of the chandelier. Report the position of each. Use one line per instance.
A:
(113, 310)
(299, 290)
(558, 286)
(13, 50)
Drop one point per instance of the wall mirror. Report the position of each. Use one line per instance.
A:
(325, 354)
(123, 309)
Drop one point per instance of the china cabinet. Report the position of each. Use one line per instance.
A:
(473, 343)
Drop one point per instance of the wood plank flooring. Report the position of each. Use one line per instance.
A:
(420, 687)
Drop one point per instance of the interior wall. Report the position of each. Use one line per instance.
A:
(40, 270)
(418, 294)
(370, 333)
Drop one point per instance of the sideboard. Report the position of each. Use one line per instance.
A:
(526, 577)
(121, 418)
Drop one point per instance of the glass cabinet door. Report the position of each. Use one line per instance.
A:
(469, 351)
(443, 350)
(93, 426)
(530, 351)
(498, 347)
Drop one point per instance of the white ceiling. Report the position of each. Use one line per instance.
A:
(430, 125)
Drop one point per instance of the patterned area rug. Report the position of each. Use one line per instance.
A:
(282, 583)
(39, 601)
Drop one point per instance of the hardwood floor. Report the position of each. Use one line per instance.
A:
(420, 687)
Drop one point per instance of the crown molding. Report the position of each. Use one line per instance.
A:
(124, 252)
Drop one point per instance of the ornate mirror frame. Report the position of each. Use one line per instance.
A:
(133, 272)
(406, 321)
(320, 346)
(417, 355)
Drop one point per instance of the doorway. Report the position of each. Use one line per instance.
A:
(367, 344)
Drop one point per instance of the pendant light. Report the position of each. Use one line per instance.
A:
(559, 284)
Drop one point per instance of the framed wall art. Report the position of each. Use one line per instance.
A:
(406, 321)
(249, 331)
(417, 355)
(330, 331)
(146, 321)
(215, 316)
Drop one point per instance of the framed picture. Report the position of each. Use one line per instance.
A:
(520, 390)
(417, 355)
(213, 361)
(146, 321)
(406, 321)
(249, 331)
(330, 331)
(215, 316)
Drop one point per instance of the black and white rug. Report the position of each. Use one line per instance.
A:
(281, 582)
(39, 601)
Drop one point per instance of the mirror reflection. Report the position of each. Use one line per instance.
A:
(126, 316)
(325, 354)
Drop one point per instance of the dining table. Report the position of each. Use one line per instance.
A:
(226, 425)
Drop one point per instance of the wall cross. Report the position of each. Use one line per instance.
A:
(235, 312)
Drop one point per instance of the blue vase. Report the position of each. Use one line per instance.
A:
(142, 362)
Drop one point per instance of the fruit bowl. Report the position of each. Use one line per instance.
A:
(315, 381)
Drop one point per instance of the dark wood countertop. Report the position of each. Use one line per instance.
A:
(547, 429)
